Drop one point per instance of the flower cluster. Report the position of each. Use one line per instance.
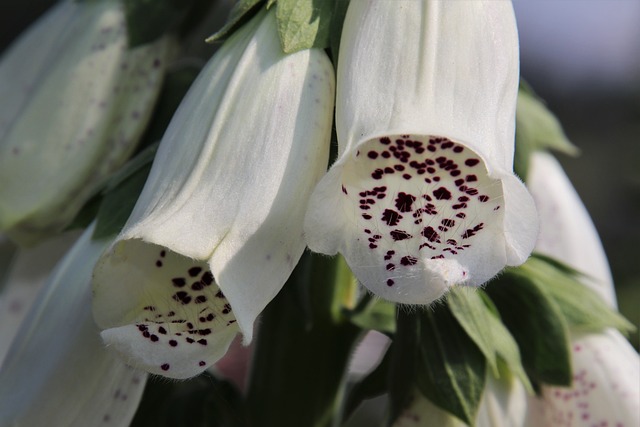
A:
(420, 199)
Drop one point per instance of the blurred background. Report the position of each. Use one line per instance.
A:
(583, 58)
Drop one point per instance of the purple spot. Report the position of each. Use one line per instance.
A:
(471, 162)
(173, 343)
(194, 271)
(398, 235)
(372, 154)
(391, 217)
(430, 234)
(164, 366)
(408, 260)
(442, 194)
(404, 202)
(390, 282)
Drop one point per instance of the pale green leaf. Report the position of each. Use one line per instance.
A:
(487, 331)
(303, 24)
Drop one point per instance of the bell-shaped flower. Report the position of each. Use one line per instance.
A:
(217, 229)
(606, 369)
(57, 371)
(27, 273)
(74, 100)
(422, 196)
(503, 404)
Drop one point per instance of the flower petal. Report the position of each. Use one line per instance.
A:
(566, 230)
(226, 195)
(606, 386)
(422, 196)
(28, 272)
(57, 371)
(83, 104)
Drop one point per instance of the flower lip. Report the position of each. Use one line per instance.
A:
(171, 314)
(425, 209)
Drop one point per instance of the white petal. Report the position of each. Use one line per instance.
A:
(28, 272)
(422, 196)
(566, 230)
(605, 390)
(58, 372)
(227, 193)
(84, 103)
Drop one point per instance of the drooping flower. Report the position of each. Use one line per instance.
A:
(422, 196)
(606, 369)
(217, 229)
(74, 100)
(27, 273)
(57, 371)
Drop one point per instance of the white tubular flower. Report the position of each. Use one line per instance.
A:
(566, 231)
(74, 100)
(422, 196)
(606, 369)
(217, 229)
(605, 390)
(57, 371)
(503, 404)
(27, 273)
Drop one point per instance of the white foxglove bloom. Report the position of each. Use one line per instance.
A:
(27, 273)
(606, 369)
(503, 404)
(422, 196)
(566, 230)
(74, 100)
(217, 229)
(57, 371)
(605, 390)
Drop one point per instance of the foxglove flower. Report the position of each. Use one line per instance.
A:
(28, 271)
(606, 369)
(422, 196)
(217, 229)
(57, 371)
(74, 100)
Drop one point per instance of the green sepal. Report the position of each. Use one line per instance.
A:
(485, 328)
(303, 24)
(121, 195)
(243, 11)
(148, 20)
(374, 313)
(450, 368)
(537, 128)
(203, 401)
(581, 307)
(538, 326)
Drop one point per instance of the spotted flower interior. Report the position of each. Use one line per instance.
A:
(420, 204)
(179, 321)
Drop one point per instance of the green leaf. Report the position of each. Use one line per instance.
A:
(243, 11)
(147, 20)
(203, 401)
(486, 330)
(450, 368)
(303, 24)
(537, 128)
(582, 308)
(538, 326)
